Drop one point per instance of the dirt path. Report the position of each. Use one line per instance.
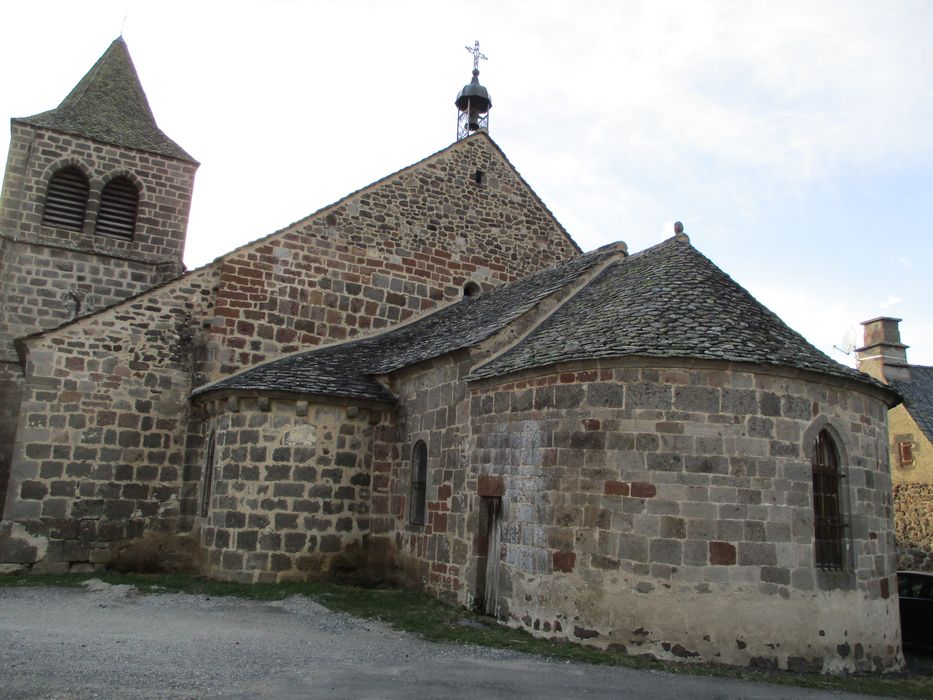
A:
(111, 642)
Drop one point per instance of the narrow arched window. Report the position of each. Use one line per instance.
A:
(66, 199)
(828, 522)
(208, 477)
(419, 482)
(119, 203)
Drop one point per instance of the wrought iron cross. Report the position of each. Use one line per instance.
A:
(476, 55)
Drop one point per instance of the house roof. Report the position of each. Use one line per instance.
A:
(345, 369)
(109, 105)
(666, 301)
(918, 397)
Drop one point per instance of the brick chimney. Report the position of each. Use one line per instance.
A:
(883, 355)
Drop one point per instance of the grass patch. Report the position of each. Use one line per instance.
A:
(414, 612)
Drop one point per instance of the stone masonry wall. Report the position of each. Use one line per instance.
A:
(290, 494)
(49, 276)
(913, 520)
(913, 491)
(100, 442)
(433, 406)
(668, 510)
(46, 262)
(382, 255)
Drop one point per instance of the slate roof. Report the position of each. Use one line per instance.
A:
(918, 397)
(345, 370)
(109, 105)
(666, 301)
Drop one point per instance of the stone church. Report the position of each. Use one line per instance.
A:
(428, 382)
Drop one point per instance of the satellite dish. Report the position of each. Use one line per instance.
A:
(848, 342)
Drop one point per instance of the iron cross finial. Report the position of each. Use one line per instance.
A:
(476, 54)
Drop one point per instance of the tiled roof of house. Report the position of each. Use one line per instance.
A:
(666, 301)
(918, 397)
(344, 370)
(108, 105)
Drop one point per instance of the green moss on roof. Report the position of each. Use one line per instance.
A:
(110, 106)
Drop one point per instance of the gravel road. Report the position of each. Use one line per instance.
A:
(112, 642)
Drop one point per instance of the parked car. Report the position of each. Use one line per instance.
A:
(915, 591)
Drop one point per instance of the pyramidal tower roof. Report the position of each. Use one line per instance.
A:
(109, 105)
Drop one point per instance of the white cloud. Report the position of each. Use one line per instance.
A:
(889, 302)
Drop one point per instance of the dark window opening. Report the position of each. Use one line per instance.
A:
(208, 477)
(479, 177)
(828, 523)
(471, 289)
(119, 203)
(66, 199)
(419, 482)
(906, 453)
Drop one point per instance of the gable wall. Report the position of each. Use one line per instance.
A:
(99, 449)
(383, 255)
(913, 492)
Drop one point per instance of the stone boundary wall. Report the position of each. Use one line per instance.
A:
(668, 510)
(100, 443)
(913, 520)
(382, 255)
(290, 493)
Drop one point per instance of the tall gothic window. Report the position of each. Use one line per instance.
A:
(66, 199)
(419, 483)
(829, 524)
(119, 203)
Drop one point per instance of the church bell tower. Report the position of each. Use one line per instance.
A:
(473, 102)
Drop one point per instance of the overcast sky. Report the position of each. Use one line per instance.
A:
(793, 139)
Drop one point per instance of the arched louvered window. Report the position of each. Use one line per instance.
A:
(66, 199)
(828, 518)
(119, 202)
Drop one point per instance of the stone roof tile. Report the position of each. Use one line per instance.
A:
(109, 105)
(344, 370)
(666, 301)
(918, 397)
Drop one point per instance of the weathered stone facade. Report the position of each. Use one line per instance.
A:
(617, 450)
(51, 275)
(668, 509)
(290, 495)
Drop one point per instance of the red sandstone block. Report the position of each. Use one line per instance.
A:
(490, 485)
(616, 488)
(443, 492)
(642, 489)
(567, 378)
(564, 561)
(587, 376)
(721, 553)
(591, 424)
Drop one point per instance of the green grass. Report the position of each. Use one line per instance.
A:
(414, 612)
